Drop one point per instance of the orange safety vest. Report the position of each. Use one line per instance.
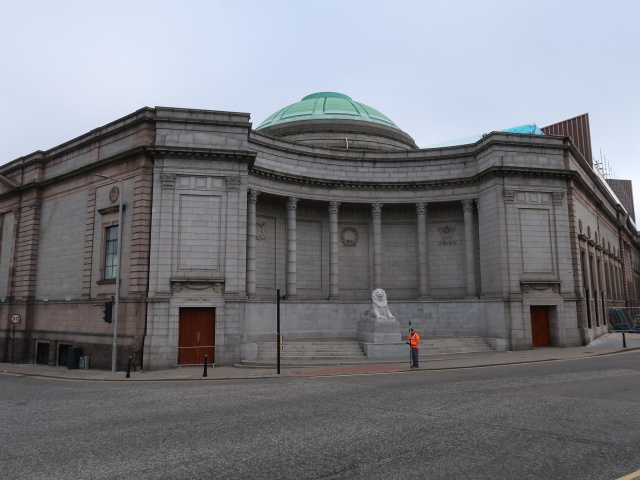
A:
(414, 340)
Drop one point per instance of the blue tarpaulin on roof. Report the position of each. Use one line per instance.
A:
(531, 129)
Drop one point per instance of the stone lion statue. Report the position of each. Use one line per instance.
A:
(379, 309)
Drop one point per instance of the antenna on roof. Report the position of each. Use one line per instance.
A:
(600, 165)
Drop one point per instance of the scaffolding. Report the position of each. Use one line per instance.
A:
(624, 319)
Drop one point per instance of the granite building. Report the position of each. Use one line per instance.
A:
(512, 236)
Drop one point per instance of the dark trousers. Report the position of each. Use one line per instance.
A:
(414, 357)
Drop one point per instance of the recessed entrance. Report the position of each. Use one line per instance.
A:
(42, 353)
(63, 348)
(197, 335)
(540, 332)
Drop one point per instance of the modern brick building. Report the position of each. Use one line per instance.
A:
(513, 237)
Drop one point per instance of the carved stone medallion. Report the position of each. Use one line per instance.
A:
(349, 237)
(114, 193)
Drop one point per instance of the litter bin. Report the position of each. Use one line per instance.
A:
(73, 357)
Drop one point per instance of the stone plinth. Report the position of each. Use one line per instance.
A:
(372, 331)
(386, 350)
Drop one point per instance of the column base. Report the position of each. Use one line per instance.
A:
(334, 297)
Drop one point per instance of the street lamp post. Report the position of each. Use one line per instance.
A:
(114, 349)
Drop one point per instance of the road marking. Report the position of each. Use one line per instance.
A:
(631, 476)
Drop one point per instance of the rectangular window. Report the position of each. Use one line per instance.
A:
(111, 253)
(585, 285)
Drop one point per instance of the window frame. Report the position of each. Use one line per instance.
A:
(110, 256)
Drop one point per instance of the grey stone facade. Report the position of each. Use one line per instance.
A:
(465, 240)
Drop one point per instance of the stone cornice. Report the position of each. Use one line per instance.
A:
(422, 154)
(89, 168)
(9, 182)
(143, 115)
(14, 187)
(226, 123)
(496, 171)
(159, 152)
(111, 209)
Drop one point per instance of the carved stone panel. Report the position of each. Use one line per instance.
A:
(261, 231)
(168, 180)
(353, 257)
(540, 287)
(198, 287)
(309, 255)
(446, 235)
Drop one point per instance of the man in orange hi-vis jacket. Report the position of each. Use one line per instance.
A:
(414, 343)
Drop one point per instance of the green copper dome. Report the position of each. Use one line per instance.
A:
(327, 106)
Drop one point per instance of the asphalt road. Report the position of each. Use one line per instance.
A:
(575, 419)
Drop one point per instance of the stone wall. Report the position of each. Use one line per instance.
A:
(339, 319)
(445, 243)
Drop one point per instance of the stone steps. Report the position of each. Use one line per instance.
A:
(354, 349)
(349, 351)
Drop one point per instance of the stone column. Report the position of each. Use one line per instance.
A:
(292, 289)
(251, 243)
(423, 276)
(334, 266)
(467, 207)
(376, 213)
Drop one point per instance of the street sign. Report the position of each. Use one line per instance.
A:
(15, 318)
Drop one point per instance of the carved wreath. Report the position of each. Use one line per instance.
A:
(349, 236)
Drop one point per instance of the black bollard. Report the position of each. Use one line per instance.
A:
(129, 369)
(204, 374)
(624, 341)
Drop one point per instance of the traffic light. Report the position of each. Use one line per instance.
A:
(108, 308)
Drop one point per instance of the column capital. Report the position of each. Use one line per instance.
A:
(467, 204)
(292, 203)
(376, 209)
(421, 208)
(333, 207)
(253, 195)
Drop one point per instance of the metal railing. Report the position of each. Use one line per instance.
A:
(624, 319)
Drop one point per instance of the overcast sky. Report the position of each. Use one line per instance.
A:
(440, 70)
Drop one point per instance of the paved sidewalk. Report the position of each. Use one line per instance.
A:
(608, 344)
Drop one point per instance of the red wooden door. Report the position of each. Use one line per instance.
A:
(197, 335)
(540, 332)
